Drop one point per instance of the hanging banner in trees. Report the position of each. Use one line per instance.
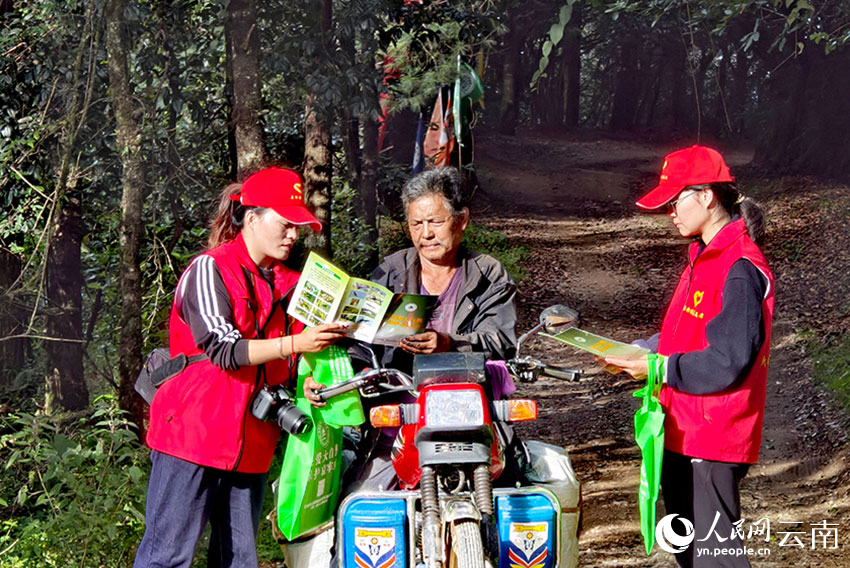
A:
(440, 139)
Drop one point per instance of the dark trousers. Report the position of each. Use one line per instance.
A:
(698, 490)
(182, 498)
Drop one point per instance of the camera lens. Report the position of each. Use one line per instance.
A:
(292, 419)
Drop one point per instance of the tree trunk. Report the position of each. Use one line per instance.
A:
(317, 156)
(66, 386)
(676, 57)
(128, 141)
(172, 165)
(572, 69)
(368, 185)
(353, 157)
(244, 37)
(13, 352)
(509, 105)
(626, 89)
(317, 175)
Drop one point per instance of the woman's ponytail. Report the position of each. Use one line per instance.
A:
(736, 204)
(228, 220)
(753, 216)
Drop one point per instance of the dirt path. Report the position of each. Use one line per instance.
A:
(569, 201)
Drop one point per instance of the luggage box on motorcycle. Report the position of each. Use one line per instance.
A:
(528, 521)
(374, 531)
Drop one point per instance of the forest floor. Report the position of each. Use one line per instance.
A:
(569, 199)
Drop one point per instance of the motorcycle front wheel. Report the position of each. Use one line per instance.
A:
(467, 550)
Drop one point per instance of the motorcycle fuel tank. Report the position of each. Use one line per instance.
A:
(374, 532)
(528, 530)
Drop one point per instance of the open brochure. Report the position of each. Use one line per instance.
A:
(325, 293)
(598, 345)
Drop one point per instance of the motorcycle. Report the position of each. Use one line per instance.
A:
(450, 450)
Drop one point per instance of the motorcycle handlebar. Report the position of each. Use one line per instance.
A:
(369, 380)
(526, 369)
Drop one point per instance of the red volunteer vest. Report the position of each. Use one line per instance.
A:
(723, 426)
(204, 414)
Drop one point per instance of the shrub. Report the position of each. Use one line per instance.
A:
(72, 493)
(481, 239)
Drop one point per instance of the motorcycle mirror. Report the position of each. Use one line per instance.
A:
(559, 317)
(372, 355)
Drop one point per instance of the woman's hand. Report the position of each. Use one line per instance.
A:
(314, 339)
(427, 342)
(310, 386)
(638, 368)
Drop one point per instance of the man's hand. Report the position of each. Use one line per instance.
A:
(638, 368)
(314, 339)
(427, 342)
(310, 386)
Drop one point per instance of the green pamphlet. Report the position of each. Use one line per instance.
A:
(325, 293)
(598, 345)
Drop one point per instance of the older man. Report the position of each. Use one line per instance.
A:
(475, 309)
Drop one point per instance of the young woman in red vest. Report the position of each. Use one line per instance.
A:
(210, 455)
(716, 341)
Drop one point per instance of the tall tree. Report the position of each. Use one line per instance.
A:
(129, 145)
(317, 146)
(571, 65)
(66, 387)
(244, 41)
(626, 87)
(13, 315)
(512, 43)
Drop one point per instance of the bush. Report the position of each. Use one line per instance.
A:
(832, 365)
(71, 494)
(481, 239)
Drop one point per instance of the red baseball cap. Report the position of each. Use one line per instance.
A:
(280, 189)
(689, 166)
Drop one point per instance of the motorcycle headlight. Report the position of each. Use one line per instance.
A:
(449, 408)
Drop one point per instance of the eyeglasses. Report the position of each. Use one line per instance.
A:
(671, 206)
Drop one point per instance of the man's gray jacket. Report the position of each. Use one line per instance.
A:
(485, 313)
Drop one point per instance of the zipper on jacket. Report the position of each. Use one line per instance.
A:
(687, 294)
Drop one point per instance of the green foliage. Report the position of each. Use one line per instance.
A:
(426, 44)
(481, 239)
(349, 231)
(554, 36)
(831, 358)
(72, 493)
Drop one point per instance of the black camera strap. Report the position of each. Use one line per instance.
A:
(262, 377)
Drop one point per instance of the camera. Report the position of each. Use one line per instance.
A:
(274, 403)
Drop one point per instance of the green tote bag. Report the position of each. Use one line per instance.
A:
(649, 435)
(308, 487)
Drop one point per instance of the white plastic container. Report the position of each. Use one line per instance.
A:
(551, 468)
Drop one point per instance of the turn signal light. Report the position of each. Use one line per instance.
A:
(520, 410)
(387, 416)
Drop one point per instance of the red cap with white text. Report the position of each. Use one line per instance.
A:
(280, 189)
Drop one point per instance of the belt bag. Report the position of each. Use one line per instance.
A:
(158, 368)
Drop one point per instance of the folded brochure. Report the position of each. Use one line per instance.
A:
(325, 293)
(598, 345)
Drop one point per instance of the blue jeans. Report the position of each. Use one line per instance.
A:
(182, 498)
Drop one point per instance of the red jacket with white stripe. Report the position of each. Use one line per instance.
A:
(203, 415)
(724, 426)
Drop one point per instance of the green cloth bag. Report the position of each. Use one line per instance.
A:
(308, 487)
(649, 435)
